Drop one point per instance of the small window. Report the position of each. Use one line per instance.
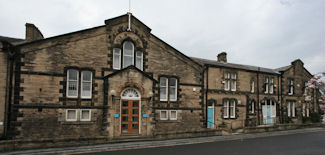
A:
(227, 81)
(288, 109)
(293, 111)
(252, 86)
(226, 109)
(72, 83)
(71, 115)
(163, 89)
(116, 58)
(128, 54)
(233, 82)
(139, 60)
(266, 85)
(173, 115)
(291, 87)
(85, 115)
(86, 84)
(253, 107)
(271, 85)
(232, 109)
(172, 89)
(163, 115)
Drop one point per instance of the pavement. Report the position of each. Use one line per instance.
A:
(161, 143)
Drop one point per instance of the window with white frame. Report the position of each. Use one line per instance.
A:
(291, 107)
(139, 60)
(163, 88)
(163, 115)
(252, 86)
(271, 85)
(252, 110)
(116, 58)
(229, 108)
(173, 115)
(73, 84)
(168, 89)
(290, 86)
(172, 89)
(233, 82)
(226, 109)
(266, 85)
(71, 115)
(227, 81)
(86, 84)
(85, 114)
(128, 54)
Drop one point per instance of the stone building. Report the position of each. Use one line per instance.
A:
(119, 79)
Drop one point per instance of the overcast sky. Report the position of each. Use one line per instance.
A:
(266, 33)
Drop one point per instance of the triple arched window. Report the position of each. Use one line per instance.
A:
(127, 56)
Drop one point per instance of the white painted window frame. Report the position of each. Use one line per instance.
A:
(82, 84)
(173, 87)
(139, 57)
(266, 83)
(227, 81)
(118, 52)
(233, 83)
(66, 115)
(253, 107)
(291, 87)
(226, 109)
(68, 82)
(293, 111)
(163, 99)
(124, 55)
(81, 111)
(252, 86)
(288, 109)
(271, 85)
(233, 108)
(161, 118)
(170, 115)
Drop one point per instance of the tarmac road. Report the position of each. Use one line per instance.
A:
(295, 144)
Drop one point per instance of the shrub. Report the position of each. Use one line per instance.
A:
(315, 117)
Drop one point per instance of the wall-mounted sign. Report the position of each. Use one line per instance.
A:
(116, 115)
(144, 115)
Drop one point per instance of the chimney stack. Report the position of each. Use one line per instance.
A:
(222, 57)
(33, 33)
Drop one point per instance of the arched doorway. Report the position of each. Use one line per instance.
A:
(130, 110)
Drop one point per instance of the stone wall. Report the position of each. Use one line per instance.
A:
(3, 85)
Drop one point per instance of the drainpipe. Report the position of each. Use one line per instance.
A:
(258, 96)
(280, 108)
(206, 96)
(9, 79)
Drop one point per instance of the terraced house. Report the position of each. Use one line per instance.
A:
(119, 80)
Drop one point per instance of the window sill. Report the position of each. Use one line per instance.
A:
(77, 122)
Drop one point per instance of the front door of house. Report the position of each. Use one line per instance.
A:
(211, 117)
(130, 116)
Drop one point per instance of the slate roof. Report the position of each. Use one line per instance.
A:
(14, 41)
(235, 66)
(283, 68)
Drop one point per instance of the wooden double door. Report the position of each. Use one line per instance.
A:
(130, 117)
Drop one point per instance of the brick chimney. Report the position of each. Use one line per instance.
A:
(32, 32)
(222, 57)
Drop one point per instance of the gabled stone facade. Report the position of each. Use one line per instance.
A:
(118, 80)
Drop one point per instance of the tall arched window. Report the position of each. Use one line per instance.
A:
(128, 54)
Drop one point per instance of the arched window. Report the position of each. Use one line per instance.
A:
(128, 54)
(127, 57)
(130, 93)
